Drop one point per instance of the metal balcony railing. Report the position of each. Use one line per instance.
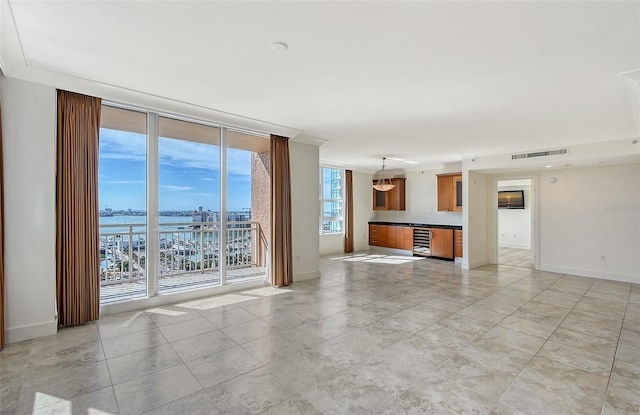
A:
(185, 249)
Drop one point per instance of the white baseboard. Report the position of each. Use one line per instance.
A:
(592, 274)
(516, 246)
(18, 334)
(474, 264)
(303, 276)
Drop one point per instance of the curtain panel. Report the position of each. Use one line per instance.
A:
(77, 229)
(1, 237)
(348, 218)
(281, 249)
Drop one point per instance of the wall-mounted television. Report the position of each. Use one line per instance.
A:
(511, 199)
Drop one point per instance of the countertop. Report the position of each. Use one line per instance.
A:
(417, 225)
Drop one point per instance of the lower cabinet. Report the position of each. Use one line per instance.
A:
(389, 236)
(437, 242)
(442, 243)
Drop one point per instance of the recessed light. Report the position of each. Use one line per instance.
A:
(546, 167)
(279, 46)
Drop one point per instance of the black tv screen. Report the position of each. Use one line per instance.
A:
(511, 199)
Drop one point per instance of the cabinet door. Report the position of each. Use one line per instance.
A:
(391, 237)
(442, 243)
(396, 196)
(384, 235)
(445, 193)
(408, 238)
(457, 250)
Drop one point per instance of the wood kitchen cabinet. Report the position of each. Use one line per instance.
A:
(393, 199)
(450, 192)
(374, 235)
(457, 243)
(442, 243)
(408, 238)
(391, 236)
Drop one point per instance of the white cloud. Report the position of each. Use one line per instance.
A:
(208, 179)
(172, 188)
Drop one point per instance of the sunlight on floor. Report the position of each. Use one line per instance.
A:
(379, 258)
(48, 404)
(165, 312)
(267, 291)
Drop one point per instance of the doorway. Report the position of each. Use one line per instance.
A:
(515, 234)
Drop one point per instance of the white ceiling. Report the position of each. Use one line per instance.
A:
(431, 82)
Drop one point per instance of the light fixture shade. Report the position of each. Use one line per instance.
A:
(382, 184)
(384, 187)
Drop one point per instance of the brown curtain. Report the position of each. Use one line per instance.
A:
(1, 238)
(281, 249)
(77, 234)
(348, 217)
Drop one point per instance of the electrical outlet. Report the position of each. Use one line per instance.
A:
(603, 257)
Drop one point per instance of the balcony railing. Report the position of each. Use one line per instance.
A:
(189, 255)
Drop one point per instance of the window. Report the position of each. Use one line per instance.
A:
(184, 205)
(331, 201)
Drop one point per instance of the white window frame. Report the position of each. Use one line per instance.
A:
(153, 297)
(340, 200)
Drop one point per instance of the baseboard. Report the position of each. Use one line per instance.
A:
(474, 264)
(591, 274)
(515, 246)
(18, 334)
(303, 276)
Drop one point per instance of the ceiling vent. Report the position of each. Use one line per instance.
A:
(540, 154)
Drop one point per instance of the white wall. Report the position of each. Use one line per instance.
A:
(514, 225)
(588, 213)
(29, 136)
(362, 210)
(305, 188)
(475, 241)
(421, 201)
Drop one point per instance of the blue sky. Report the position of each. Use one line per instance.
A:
(189, 175)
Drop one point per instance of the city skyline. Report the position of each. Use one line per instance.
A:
(188, 174)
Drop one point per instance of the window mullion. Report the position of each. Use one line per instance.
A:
(222, 237)
(152, 260)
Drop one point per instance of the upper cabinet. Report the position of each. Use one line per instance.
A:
(450, 192)
(394, 199)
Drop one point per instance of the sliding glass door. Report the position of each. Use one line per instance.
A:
(185, 205)
(188, 205)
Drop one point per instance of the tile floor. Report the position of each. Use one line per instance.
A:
(376, 334)
(514, 256)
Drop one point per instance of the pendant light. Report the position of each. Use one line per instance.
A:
(382, 184)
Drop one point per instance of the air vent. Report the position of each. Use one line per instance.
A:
(540, 154)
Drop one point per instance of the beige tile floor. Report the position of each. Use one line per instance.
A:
(514, 256)
(376, 334)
